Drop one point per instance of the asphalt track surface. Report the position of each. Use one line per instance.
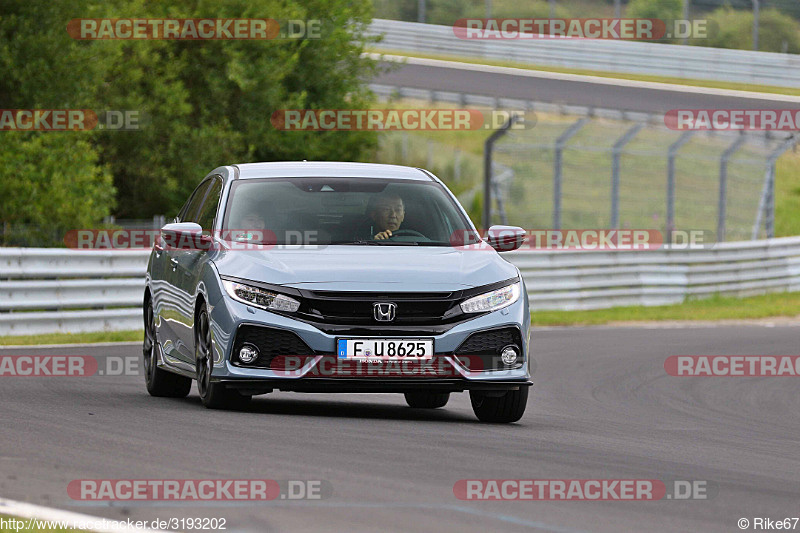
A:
(568, 92)
(602, 407)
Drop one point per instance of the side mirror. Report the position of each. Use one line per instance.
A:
(505, 238)
(185, 236)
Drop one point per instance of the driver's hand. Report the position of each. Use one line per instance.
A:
(383, 235)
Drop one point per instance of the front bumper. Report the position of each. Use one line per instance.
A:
(228, 315)
(354, 385)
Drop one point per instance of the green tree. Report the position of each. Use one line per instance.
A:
(731, 28)
(655, 9)
(202, 103)
(51, 183)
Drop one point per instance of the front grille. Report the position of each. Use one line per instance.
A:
(347, 312)
(357, 307)
(271, 342)
(483, 348)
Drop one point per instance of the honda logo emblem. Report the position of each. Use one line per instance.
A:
(384, 311)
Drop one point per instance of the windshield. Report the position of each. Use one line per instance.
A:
(342, 211)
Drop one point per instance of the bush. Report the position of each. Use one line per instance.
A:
(732, 28)
(655, 9)
(50, 183)
(205, 103)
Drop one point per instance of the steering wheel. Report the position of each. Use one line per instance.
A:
(407, 233)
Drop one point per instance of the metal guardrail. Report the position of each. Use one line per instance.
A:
(694, 62)
(49, 290)
(600, 279)
(44, 290)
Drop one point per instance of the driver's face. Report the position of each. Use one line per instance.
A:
(252, 221)
(388, 214)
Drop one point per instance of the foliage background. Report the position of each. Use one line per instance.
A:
(203, 103)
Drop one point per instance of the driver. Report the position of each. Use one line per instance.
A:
(251, 226)
(386, 211)
(252, 220)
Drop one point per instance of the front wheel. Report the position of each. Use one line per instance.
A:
(159, 382)
(499, 409)
(213, 395)
(427, 400)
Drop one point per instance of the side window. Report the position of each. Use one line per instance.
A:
(209, 208)
(192, 210)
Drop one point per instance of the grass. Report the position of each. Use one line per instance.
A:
(587, 171)
(783, 304)
(713, 84)
(787, 195)
(72, 338)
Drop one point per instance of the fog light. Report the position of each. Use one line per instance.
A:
(509, 355)
(248, 353)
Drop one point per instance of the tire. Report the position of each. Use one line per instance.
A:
(159, 382)
(499, 409)
(213, 395)
(427, 400)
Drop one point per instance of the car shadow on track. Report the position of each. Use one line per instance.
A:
(333, 408)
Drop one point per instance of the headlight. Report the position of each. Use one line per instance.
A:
(260, 298)
(492, 301)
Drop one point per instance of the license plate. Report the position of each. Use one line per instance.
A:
(384, 349)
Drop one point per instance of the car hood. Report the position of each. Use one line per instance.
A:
(365, 268)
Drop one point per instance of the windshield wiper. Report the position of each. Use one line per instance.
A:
(365, 242)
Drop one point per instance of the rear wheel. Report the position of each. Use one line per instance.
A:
(506, 408)
(159, 382)
(426, 399)
(213, 395)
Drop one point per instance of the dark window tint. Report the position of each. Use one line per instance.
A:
(192, 210)
(209, 209)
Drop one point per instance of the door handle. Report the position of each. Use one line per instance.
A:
(174, 263)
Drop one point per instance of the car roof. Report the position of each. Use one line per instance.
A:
(328, 169)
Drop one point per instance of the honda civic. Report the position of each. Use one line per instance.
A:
(335, 277)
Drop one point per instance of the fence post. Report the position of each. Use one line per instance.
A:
(457, 166)
(756, 22)
(615, 169)
(685, 16)
(723, 186)
(671, 153)
(766, 205)
(488, 146)
(561, 142)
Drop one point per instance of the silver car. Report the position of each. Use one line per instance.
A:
(335, 277)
